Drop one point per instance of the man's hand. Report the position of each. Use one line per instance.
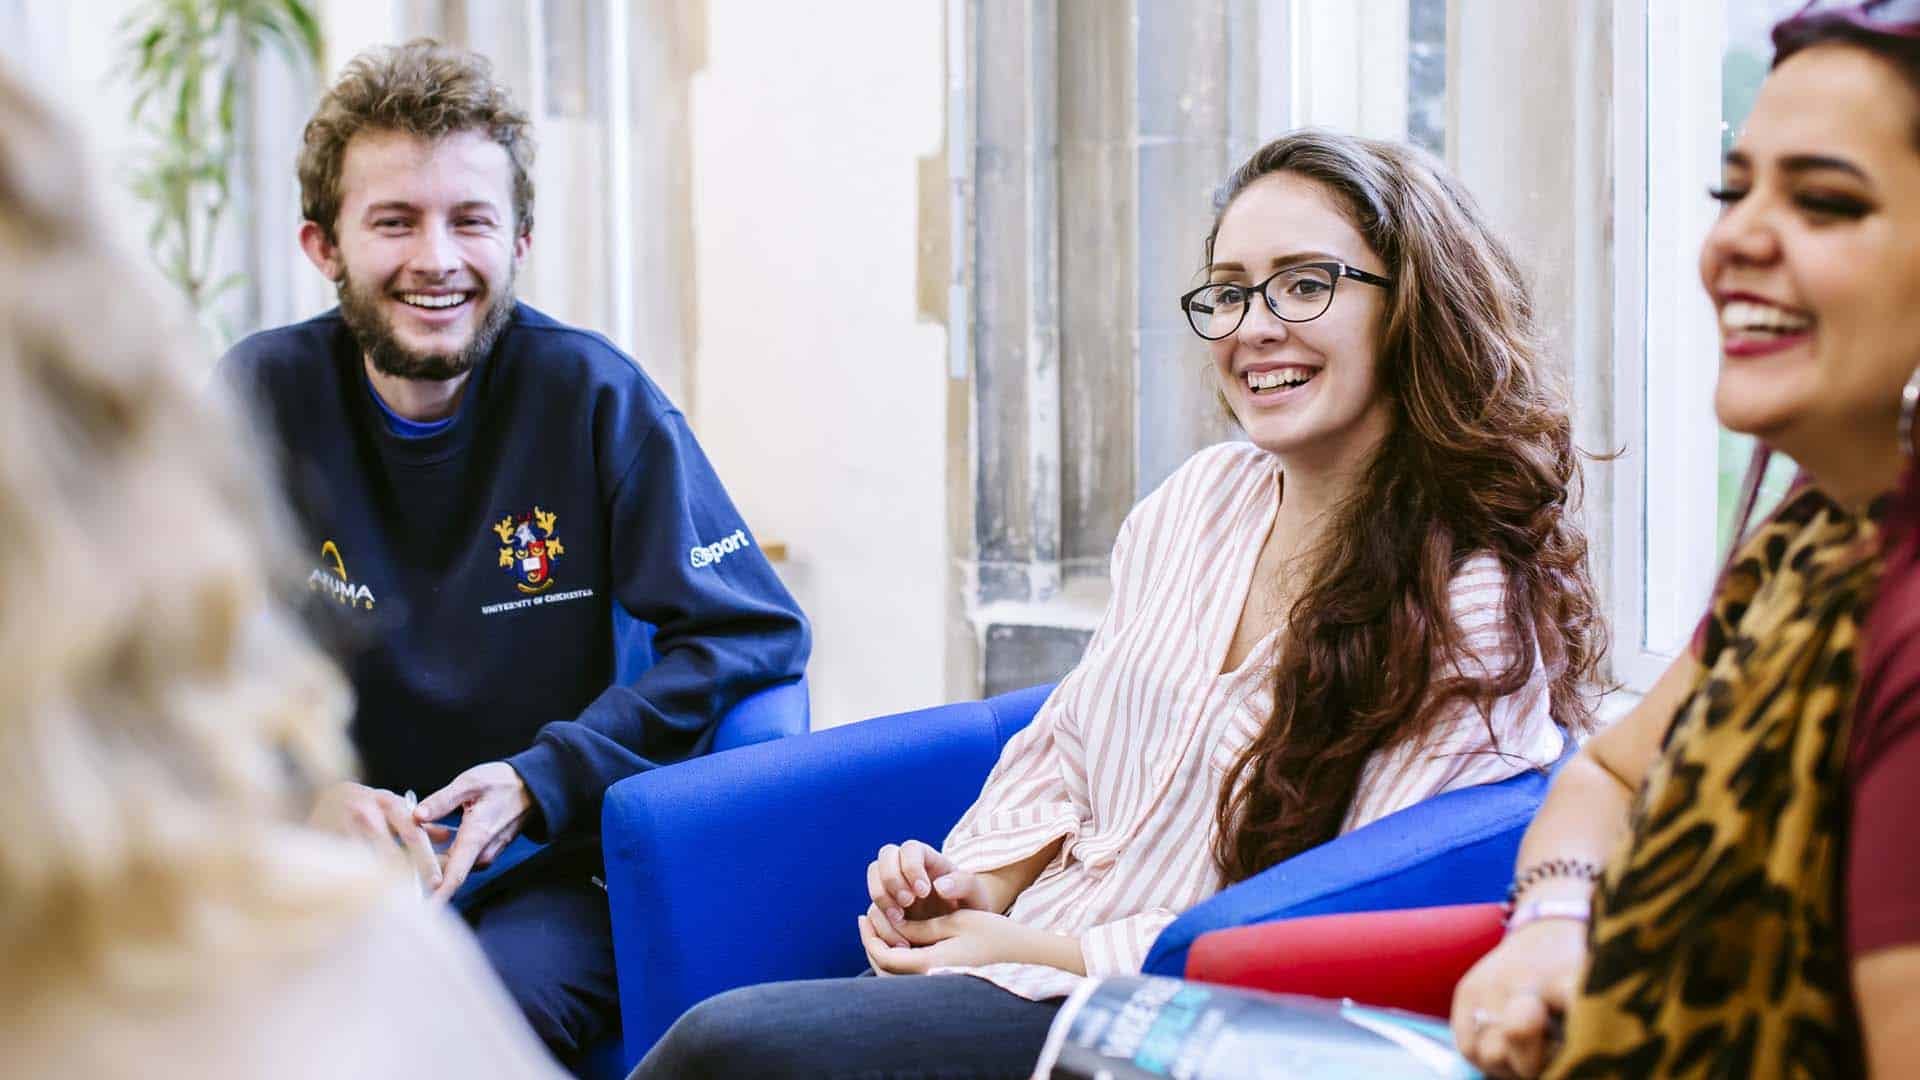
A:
(967, 938)
(382, 819)
(493, 802)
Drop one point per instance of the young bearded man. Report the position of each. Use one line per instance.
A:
(486, 491)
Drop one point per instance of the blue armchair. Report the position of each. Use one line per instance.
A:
(749, 867)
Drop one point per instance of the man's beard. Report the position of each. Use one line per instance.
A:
(373, 331)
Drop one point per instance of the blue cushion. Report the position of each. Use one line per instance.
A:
(1455, 848)
(776, 712)
(772, 713)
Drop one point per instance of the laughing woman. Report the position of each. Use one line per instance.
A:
(1751, 823)
(1378, 597)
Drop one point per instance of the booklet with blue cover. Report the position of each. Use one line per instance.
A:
(1139, 1027)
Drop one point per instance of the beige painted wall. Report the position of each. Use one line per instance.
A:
(820, 397)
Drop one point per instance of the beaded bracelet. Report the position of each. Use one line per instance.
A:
(1533, 875)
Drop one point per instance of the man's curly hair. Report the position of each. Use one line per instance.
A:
(423, 88)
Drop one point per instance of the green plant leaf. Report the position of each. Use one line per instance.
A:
(287, 27)
(229, 90)
(184, 100)
(187, 64)
(225, 285)
(149, 46)
(310, 38)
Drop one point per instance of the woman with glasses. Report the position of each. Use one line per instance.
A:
(1379, 596)
(1757, 911)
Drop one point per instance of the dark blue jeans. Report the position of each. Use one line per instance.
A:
(550, 939)
(903, 1027)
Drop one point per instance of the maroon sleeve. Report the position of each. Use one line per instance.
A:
(1883, 763)
(1883, 877)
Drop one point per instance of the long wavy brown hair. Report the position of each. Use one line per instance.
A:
(1479, 458)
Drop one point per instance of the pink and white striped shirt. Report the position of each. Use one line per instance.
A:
(1127, 756)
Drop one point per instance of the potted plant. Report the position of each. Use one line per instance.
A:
(191, 63)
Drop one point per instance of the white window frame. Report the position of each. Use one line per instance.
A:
(1666, 137)
(1662, 515)
(1346, 67)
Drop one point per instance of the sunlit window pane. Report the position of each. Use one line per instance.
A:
(1743, 66)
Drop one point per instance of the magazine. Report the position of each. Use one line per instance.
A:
(1139, 1027)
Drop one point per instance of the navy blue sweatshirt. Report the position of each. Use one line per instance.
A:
(470, 575)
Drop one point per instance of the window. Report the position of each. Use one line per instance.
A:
(1685, 76)
(1427, 74)
(1372, 67)
(1746, 53)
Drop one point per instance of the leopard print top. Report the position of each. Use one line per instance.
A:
(1716, 945)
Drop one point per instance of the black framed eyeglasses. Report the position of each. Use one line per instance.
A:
(1299, 293)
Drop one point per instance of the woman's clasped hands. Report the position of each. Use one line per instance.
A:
(928, 913)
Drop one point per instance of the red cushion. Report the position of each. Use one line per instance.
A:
(1407, 959)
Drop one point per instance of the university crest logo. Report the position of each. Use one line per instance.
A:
(330, 577)
(528, 549)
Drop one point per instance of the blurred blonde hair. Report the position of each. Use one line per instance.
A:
(162, 718)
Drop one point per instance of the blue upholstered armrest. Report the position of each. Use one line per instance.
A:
(750, 866)
(1456, 848)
